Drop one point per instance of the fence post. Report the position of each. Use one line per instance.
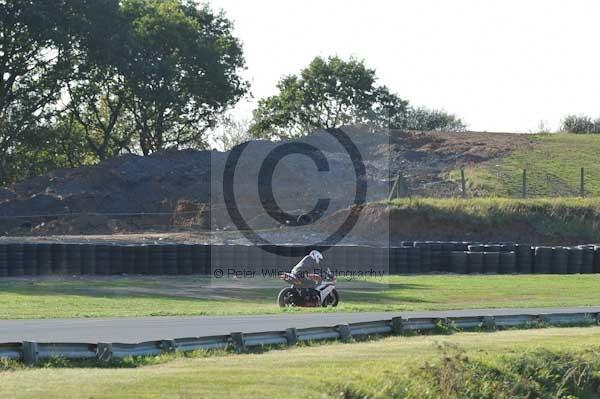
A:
(463, 184)
(524, 184)
(394, 190)
(400, 188)
(582, 183)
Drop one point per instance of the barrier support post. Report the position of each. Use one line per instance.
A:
(344, 331)
(292, 336)
(104, 351)
(30, 352)
(488, 322)
(237, 338)
(397, 325)
(167, 345)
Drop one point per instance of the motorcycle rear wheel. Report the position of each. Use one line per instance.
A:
(284, 297)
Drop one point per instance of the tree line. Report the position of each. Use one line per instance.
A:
(83, 81)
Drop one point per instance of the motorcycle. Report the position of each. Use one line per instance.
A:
(321, 293)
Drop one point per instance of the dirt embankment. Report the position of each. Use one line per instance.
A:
(182, 190)
(545, 222)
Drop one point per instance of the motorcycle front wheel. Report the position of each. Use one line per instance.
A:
(284, 299)
(332, 299)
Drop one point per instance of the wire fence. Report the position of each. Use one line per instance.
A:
(500, 182)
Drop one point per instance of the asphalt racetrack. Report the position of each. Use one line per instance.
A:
(132, 330)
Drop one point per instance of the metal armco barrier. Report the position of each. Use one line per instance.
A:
(420, 257)
(32, 352)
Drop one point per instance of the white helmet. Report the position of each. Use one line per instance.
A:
(316, 255)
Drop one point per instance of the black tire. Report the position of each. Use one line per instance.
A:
(283, 299)
(335, 298)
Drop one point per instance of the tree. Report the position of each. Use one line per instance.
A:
(127, 75)
(48, 147)
(181, 72)
(334, 92)
(230, 132)
(162, 78)
(34, 62)
(97, 103)
(328, 93)
(427, 119)
(41, 43)
(580, 124)
(96, 87)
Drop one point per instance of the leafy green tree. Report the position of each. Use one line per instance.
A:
(334, 92)
(181, 73)
(127, 75)
(97, 103)
(328, 93)
(41, 43)
(45, 148)
(96, 87)
(34, 61)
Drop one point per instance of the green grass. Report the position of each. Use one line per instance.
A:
(177, 296)
(558, 219)
(553, 167)
(545, 362)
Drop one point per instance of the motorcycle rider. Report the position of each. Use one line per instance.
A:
(307, 265)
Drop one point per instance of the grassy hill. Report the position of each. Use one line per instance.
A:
(494, 210)
(553, 164)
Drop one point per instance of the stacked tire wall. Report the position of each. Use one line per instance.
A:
(419, 257)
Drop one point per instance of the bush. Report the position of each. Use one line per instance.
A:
(536, 374)
(580, 124)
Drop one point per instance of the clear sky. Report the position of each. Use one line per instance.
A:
(500, 65)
